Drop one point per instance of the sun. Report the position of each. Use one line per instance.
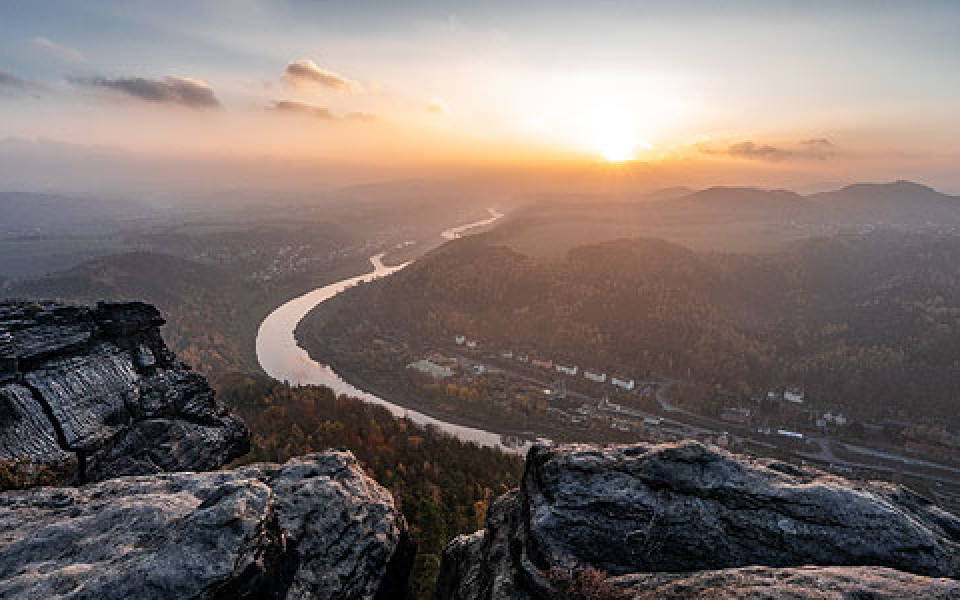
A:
(617, 150)
(617, 145)
(603, 116)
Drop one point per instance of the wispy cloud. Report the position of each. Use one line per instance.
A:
(306, 72)
(758, 151)
(11, 84)
(60, 51)
(302, 108)
(9, 80)
(182, 91)
(320, 112)
(810, 149)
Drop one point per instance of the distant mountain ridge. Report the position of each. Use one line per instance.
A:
(896, 203)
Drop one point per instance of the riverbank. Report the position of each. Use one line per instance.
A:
(281, 357)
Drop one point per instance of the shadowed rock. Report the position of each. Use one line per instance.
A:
(798, 583)
(100, 384)
(632, 512)
(315, 527)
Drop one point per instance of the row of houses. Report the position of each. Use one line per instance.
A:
(569, 370)
(794, 395)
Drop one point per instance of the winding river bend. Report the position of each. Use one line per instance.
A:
(284, 360)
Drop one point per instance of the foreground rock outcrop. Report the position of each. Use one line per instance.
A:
(98, 387)
(315, 527)
(683, 520)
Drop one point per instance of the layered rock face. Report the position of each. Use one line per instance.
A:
(686, 521)
(315, 527)
(98, 386)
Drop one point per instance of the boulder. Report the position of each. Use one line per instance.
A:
(315, 527)
(98, 387)
(660, 518)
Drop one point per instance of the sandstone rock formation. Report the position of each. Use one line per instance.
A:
(683, 520)
(98, 386)
(315, 527)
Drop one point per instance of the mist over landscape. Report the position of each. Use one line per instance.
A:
(478, 301)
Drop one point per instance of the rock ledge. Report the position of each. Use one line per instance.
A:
(315, 527)
(98, 387)
(684, 520)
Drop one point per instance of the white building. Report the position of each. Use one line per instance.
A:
(598, 377)
(460, 340)
(790, 434)
(431, 369)
(567, 370)
(472, 345)
(835, 419)
(794, 395)
(626, 384)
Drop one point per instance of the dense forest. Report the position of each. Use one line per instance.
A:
(868, 323)
(442, 485)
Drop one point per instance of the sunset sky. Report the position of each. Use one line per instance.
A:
(800, 91)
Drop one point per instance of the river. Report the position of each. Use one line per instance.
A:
(284, 360)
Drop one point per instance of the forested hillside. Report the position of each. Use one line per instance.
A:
(870, 323)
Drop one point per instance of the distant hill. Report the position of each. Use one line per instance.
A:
(746, 201)
(730, 219)
(29, 213)
(897, 204)
(163, 279)
(206, 326)
(901, 203)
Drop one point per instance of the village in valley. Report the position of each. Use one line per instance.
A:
(547, 399)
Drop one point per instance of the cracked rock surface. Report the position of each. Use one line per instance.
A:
(315, 527)
(674, 519)
(98, 386)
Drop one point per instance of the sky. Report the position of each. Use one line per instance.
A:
(682, 92)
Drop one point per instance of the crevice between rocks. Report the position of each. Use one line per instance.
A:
(81, 475)
(272, 569)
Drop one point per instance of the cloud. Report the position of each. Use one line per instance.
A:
(62, 52)
(437, 106)
(320, 112)
(758, 151)
(289, 106)
(11, 81)
(306, 72)
(11, 84)
(182, 91)
(818, 143)
(814, 148)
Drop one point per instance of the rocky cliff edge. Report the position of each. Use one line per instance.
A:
(687, 521)
(96, 391)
